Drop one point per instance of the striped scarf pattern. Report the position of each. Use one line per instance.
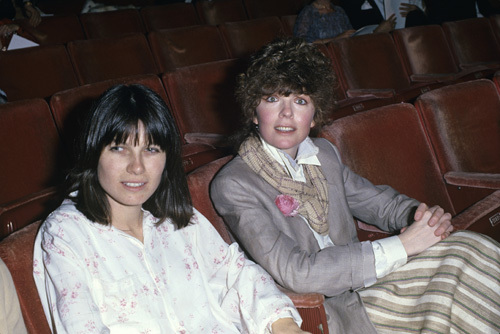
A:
(452, 287)
(312, 195)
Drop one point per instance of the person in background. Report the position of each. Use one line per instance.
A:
(290, 202)
(8, 27)
(321, 21)
(127, 253)
(371, 12)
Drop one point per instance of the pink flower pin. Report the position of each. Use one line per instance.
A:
(287, 205)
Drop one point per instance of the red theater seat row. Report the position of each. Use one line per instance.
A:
(405, 67)
(62, 28)
(395, 144)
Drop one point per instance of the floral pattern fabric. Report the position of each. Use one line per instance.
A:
(312, 25)
(97, 279)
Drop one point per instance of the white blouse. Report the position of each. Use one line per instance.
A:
(97, 279)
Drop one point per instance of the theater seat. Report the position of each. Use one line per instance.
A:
(111, 58)
(31, 150)
(59, 29)
(265, 8)
(17, 253)
(288, 22)
(179, 47)
(113, 23)
(310, 306)
(369, 66)
(427, 57)
(463, 124)
(474, 44)
(243, 38)
(36, 72)
(203, 102)
(495, 24)
(71, 106)
(388, 145)
(220, 11)
(172, 15)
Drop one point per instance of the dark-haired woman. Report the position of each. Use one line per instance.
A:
(290, 202)
(127, 253)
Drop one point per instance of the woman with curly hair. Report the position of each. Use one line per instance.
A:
(290, 201)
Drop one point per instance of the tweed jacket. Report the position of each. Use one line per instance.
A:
(288, 250)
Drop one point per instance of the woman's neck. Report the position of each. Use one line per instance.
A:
(130, 223)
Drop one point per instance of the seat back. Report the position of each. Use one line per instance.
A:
(388, 145)
(199, 186)
(111, 58)
(264, 8)
(369, 62)
(179, 47)
(472, 41)
(288, 22)
(245, 37)
(220, 11)
(424, 50)
(17, 253)
(71, 106)
(463, 123)
(495, 25)
(202, 98)
(31, 150)
(168, 16)
(112, 23)
(36, 72)
(59, 29)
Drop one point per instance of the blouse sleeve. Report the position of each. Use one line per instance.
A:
(62, 284)
(245, 291)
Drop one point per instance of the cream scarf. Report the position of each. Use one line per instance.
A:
(312, 195)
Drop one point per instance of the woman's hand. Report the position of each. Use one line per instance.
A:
(405, 8)
(420, 235)
(286, 326)
(387, 25)
(439, 217)
(6, 30)
(33, 14)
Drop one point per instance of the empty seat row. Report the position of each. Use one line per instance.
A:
(442, 150)
(65, 28)
(378, 69)
(408, 61)
(42, 71)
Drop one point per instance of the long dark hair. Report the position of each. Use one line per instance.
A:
(115, 118)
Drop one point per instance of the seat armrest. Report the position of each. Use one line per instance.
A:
(480, 65)
(470, 179)
(477, 211)
(433, 77)
(214, 139)
(377, 93)
(304, 300)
